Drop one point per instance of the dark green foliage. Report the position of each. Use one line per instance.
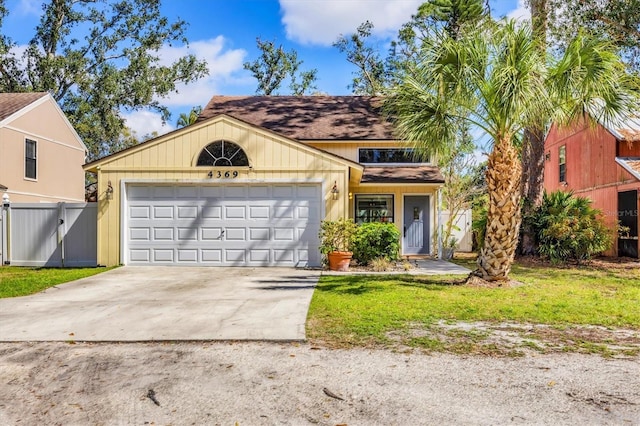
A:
(567, 227)
(376, 240)
(275, 65)
(98, 59)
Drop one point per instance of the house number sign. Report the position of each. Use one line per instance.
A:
(227, 175)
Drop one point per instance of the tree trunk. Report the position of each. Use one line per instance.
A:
(504, 173)
(532, 184)
(533, 143)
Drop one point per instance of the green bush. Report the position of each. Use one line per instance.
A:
(568, 227)
(374, 240)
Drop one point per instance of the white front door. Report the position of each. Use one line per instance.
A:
(231, 225)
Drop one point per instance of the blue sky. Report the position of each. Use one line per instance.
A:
(223, 32)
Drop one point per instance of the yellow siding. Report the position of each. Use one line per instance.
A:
(398, 192)
(173, 158)
(349, 150)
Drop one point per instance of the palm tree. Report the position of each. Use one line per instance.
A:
(494, 77)
(188, 119)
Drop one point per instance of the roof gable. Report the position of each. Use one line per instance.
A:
(92, 166)
(308, 117)
(11, 103)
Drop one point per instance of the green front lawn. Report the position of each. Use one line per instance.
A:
(21, 281)
(426, 311)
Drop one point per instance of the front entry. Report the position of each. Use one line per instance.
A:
(415, 236)
(628, 217)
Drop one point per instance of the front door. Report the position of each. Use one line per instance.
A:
(415, 237)
(628, 216)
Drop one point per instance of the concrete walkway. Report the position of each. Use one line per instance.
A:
(419, 267)
(166, 303)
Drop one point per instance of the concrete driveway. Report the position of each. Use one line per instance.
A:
(166, 303)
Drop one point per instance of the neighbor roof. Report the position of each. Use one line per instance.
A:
(408, 174)
(10, 103)
(632, 165)
(308, 117)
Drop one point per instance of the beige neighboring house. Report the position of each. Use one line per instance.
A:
(249, 183)
(41, 155)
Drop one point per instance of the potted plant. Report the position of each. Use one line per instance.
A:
(336, 239)
(449, 248)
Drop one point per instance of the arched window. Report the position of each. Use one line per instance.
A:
(223, 154)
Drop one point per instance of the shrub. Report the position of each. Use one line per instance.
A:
(337, 235)
(568, 227)
(380, 264)
(375, 239)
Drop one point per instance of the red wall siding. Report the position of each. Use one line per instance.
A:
(591, 170)
(626, 149)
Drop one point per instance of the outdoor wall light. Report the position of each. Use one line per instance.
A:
(334, 191)
(109, 191)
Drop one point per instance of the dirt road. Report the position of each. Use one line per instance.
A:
(297, 384)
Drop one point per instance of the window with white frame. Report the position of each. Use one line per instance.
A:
(389, 156)
(374, 208)
(562, 163)
(30, 159)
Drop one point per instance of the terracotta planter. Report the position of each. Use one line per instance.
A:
(339, 260)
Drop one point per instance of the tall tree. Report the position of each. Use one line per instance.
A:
(275, 65)
(494, 77)
(188, 119)
(99, 58)
(371, 78)
(533, 141)
(617, 19)
(374, 73)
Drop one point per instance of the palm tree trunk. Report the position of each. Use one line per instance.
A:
(504, 172)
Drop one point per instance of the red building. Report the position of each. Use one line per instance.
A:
(602, 163)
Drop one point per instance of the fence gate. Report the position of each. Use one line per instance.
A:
(53, 234)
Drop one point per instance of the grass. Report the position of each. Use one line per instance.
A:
(22, 281)
(433, 312)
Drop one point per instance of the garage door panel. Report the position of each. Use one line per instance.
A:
(163, 192)
(140, 234)
(211, 212)
(140, 212)
(210, 234)
(163, 255)
(259, 212)
(188, 255)
(187, 212)
(235, 256)
(163, 212)
(235, 212)
(260, 191)
(252, 228)
(259, 234)
(235, 192)
(212, 256)
(163, 234)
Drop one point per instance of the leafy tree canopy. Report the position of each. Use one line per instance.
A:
(99, 58)
(275, 65)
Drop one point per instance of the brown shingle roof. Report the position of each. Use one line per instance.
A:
(408, 174)
(10, 103)
(308, 117)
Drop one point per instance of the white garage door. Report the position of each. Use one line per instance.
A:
(232, 225)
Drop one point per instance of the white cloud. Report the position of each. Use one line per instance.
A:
(146, 122)
(223, 66)
(521, 13)
(322, 21)
(29, 7)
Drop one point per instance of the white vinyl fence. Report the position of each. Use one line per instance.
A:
(462, 229)
(49, 234)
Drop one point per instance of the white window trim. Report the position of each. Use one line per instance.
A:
(24, 160)
(390, 164)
